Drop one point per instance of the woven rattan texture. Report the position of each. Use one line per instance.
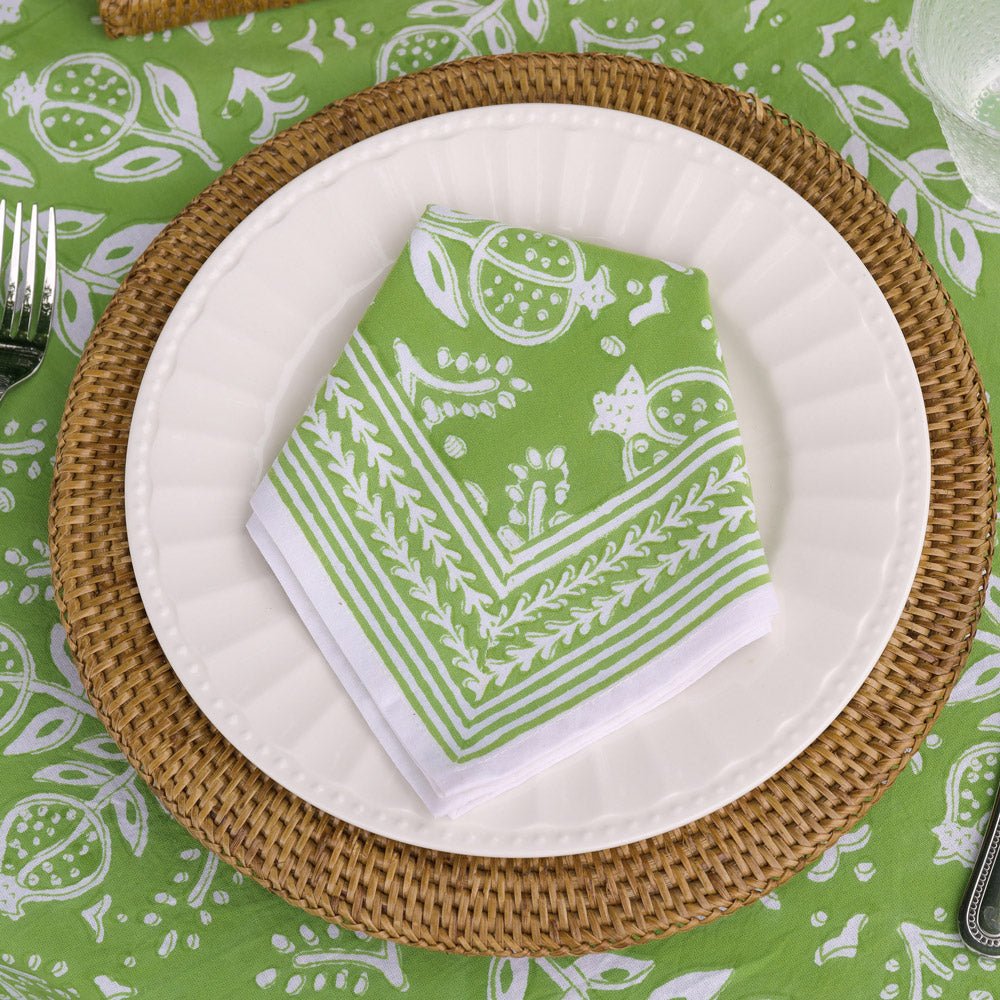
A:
(136, 17)
(608, 899)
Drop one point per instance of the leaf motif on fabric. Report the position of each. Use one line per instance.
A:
(874, 106)
(307, 43)
(74, 315)
(903, 202)
(117, 253)
(62, 661)
(694, 986)
(376, 509)
(444, 8)
(936, 164)
(960, 251)
(14, 172)
(72, 223)
(132, 816)
(955, 229)
(979, 680)
(201, 31)
(48, 729)
(534, 17)
(101, 747)
(507, 979)
(141, 164)
(855, 151)
(17, 677)
(702, 497)
(76, 773)
(176, 105)
(611, 972)
(174, 99)
(499, 35)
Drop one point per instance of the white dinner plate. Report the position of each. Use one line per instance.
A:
(834, 428)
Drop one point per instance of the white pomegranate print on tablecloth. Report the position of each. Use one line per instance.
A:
(667, 412)
(527, 287)
(84, 107)
(37, 837)
(56, 846)
(460, 28)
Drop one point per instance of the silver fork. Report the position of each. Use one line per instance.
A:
(25, 318)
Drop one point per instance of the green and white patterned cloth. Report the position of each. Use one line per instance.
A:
(517, 515)
(157, 917)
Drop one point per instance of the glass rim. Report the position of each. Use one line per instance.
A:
(934, 92)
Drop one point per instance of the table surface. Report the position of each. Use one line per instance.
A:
(137, 907)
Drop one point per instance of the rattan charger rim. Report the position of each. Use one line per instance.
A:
(536, 906)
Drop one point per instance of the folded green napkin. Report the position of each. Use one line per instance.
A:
(517, 514)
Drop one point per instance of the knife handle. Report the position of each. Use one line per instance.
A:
(979, 915)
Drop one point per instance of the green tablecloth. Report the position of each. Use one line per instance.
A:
(121, 135)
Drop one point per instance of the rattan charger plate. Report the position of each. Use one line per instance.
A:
(136, 17)
(607, 899)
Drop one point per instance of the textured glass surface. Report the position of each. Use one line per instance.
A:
(957, 46)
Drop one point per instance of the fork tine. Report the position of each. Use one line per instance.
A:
(47, 300)
(30, 268)
(13, 277)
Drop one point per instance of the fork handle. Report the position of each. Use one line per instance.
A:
(979, 915)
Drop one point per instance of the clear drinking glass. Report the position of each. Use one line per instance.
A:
(957, 48)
